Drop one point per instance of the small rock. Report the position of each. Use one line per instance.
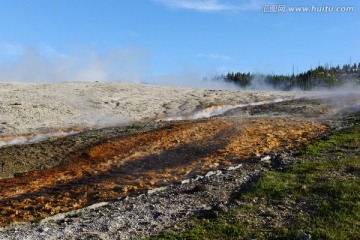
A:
(232, 168)
(266, 161)
(212, 173)
(302, 236)
(185, 181)
(266, 158)
(97, 205)
(198, 178)
(152, 191)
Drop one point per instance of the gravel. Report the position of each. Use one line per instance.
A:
(158, 210)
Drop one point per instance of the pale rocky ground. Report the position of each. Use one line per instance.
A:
(29, 107)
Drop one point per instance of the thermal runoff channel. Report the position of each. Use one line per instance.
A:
(143, 161)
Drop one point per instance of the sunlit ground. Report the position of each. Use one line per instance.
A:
(143, 161)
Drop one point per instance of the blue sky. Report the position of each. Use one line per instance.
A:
(145, 40)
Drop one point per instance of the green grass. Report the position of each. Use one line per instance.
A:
(319, 196)
(133, 127)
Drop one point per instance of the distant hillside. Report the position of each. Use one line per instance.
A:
(320, 77)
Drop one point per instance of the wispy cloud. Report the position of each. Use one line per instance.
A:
(11, 49)
(212, 5)
(214, 56)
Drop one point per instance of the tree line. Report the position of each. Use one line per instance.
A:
(320, 77)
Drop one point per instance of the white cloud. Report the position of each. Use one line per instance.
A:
(212, 5)
(199, 5)
(214, 56)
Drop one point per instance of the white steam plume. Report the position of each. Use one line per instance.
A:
(44, 65)
(193, 79)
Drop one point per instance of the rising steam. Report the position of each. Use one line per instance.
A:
(218, 110)
(33, 138)
(45, 65)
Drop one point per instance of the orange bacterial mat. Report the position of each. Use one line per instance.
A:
(143, 161)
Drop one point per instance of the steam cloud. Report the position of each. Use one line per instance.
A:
(43, 64)
(193, 79)
(117, 65)
(35, 65)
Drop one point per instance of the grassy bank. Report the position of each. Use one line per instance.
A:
(318, 197)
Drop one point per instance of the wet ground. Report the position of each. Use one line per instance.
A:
(63, 174)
